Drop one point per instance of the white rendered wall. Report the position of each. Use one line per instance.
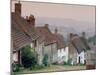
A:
(82, 57)
(63, 53)
(15, 56)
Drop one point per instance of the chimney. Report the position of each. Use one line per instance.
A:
(71, 35)
(26, 17)
(31, 20)
(46, 25)
(56, 30)
(83, 34)
(18, 8)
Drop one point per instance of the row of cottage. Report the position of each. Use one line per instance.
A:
(43, 41)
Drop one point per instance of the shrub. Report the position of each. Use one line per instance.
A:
(68, 62)
(45, 60)
(55, 63)
(15, 67)
(65, 63)
(29, 59)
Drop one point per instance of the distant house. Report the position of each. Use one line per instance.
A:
(62, 49)
(78, 48)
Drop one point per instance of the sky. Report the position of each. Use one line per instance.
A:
(75, 12)
(66, 17)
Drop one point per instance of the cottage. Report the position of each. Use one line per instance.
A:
(22, 33)
(78, 48)
(19, 39)
(62, 49)
(46, 44)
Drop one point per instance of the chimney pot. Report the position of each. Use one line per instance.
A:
(83, 34)
(26, 17)
(18, 8)
(46, 25)
(31, 20)
(71, 35)
(56, 31)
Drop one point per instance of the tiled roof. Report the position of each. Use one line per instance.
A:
(60, 40)
(22, 33)
(19, 38)
(45, 35)
(49, 38)
(25, 26)
(80, 44)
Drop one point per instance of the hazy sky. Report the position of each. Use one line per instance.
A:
(76, 12)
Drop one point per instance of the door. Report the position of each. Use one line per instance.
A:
(79, 60)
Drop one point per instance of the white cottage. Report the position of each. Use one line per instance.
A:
(63, 55)
(78, 48)
(62, 49)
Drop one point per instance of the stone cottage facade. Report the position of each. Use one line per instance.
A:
(47, 45)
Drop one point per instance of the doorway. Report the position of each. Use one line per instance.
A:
(79, 60)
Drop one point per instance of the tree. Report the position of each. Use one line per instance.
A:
(45, 60)
(92, 39)
(29, 58)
